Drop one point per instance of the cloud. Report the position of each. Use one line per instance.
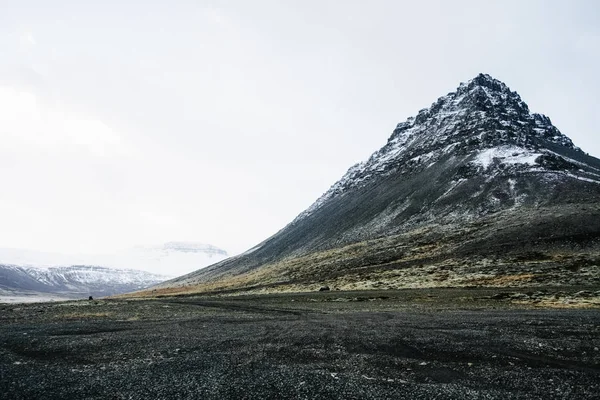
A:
(31, 126)
(215, 15)
(155, 219)
(27, 39)
(588, 43)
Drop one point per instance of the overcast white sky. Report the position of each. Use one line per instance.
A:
(139, 122)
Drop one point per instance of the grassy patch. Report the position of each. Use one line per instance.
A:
(80, 315)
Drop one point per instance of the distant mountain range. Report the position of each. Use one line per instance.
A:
(474, 190)
(31, 274)
(76, 281)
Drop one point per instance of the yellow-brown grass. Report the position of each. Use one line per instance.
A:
(502, 280)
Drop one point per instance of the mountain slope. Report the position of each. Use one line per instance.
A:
(473, 190)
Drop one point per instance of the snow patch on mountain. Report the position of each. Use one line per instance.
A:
(580, 178)
(508, 155)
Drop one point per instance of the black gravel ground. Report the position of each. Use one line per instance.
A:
(413, 344)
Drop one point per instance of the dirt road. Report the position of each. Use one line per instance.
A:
(457, 344)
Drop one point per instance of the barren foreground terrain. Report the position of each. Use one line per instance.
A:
(427, 343)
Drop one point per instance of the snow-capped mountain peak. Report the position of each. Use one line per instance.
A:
(482, 120)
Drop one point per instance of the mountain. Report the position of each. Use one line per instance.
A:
(27, 275)
(76, 281)
(474, 190)
(170, 259)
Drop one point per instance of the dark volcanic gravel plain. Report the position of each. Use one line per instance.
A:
(413, 344)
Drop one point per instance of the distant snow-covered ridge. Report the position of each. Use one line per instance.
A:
(192, 247)
(90, 274)
(74, 281)
(30, 273)
(169, 259)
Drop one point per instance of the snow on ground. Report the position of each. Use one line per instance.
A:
(580, 178)
(507, 155)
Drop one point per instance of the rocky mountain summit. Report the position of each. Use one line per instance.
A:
(474, 190)
(484, 119)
